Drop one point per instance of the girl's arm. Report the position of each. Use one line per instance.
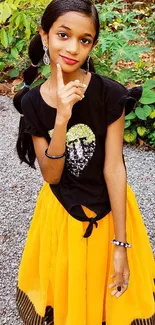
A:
(67, 96)
(52, 169)
(116, 180)
(115, 176)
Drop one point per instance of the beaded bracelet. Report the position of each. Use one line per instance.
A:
(54, 157)
(120, 243)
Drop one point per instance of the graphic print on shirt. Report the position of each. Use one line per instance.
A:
(80, 146)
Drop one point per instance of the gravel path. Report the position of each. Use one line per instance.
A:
(19, 186)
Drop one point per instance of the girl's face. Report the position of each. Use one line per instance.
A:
(70, 40)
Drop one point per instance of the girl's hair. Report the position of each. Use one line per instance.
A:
(54, 10)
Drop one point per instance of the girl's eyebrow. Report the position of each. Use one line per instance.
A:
(65, 27)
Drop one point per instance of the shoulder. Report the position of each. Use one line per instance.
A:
(30, 101)
(112, 89)
(115, 91)
(31, 95)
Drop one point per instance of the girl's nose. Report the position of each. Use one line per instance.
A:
(73, 47)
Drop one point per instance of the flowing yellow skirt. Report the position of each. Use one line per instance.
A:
(64, 278)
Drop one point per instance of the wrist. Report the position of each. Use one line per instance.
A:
(120, 249)
(121, 236)
(121, 244)
(60, 120)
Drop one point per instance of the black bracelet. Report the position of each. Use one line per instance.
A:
(54, 157)
(120, 243)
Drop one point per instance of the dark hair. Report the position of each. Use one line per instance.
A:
(54, 10)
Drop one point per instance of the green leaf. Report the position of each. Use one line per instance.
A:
(130, 116)
(148, 96)
(14, 52)
(5, 12)
(142, 131)
(45, 70)
(130, 136)
(152, 115)
(150, 84)
(10, 36)
(4, 38)
(143, 112)
(104, 45)
(2, 65)
(37, 82)
(28, 33)
(127, 124)
(18, 20)
(18, 87)
(20, 45)
(14, 73)
(25, 21)
(128, 34)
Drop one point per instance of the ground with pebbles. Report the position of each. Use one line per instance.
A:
(19, 186)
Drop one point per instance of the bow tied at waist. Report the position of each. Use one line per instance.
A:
(92, 222)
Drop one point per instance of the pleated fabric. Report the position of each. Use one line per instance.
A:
(64, 277)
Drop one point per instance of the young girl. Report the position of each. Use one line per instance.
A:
(87, 259)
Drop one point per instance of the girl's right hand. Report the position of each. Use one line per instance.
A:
(67, 95)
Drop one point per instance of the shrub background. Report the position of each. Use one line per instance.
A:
(125, 51)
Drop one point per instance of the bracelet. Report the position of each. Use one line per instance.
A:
(120, 243)
(54, 157)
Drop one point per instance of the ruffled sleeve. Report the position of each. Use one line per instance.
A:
(118, 98)
(32, 123)
(134, 95)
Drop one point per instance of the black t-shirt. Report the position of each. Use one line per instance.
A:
(82, 181)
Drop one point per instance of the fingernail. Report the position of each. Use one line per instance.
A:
(84, 85)
(58, 65)
(77, 80)
(119, 288)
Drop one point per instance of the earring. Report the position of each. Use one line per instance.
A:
(46, 58)
(88, 61)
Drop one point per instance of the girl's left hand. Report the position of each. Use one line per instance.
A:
(121, 272)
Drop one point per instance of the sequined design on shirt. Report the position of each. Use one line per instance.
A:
(80, 146)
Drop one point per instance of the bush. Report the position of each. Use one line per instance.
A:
(126, 35)
(122, 43)
(18, 20)
(141, 122)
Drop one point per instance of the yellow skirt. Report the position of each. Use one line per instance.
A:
(64, 277)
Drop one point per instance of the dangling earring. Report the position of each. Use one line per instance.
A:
(46, 58)
(88, 61)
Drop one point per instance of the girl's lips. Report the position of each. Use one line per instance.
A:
(68, 60)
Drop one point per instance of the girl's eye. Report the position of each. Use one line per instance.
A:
(86, 41)
(62, 35)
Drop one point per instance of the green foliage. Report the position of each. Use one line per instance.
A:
(150, 24)
(126, 35)
(151, 138)
(19, 21)
(130, 135)
(122, 42)
(141, 122)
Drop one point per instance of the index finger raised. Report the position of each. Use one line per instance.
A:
(60, 82)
